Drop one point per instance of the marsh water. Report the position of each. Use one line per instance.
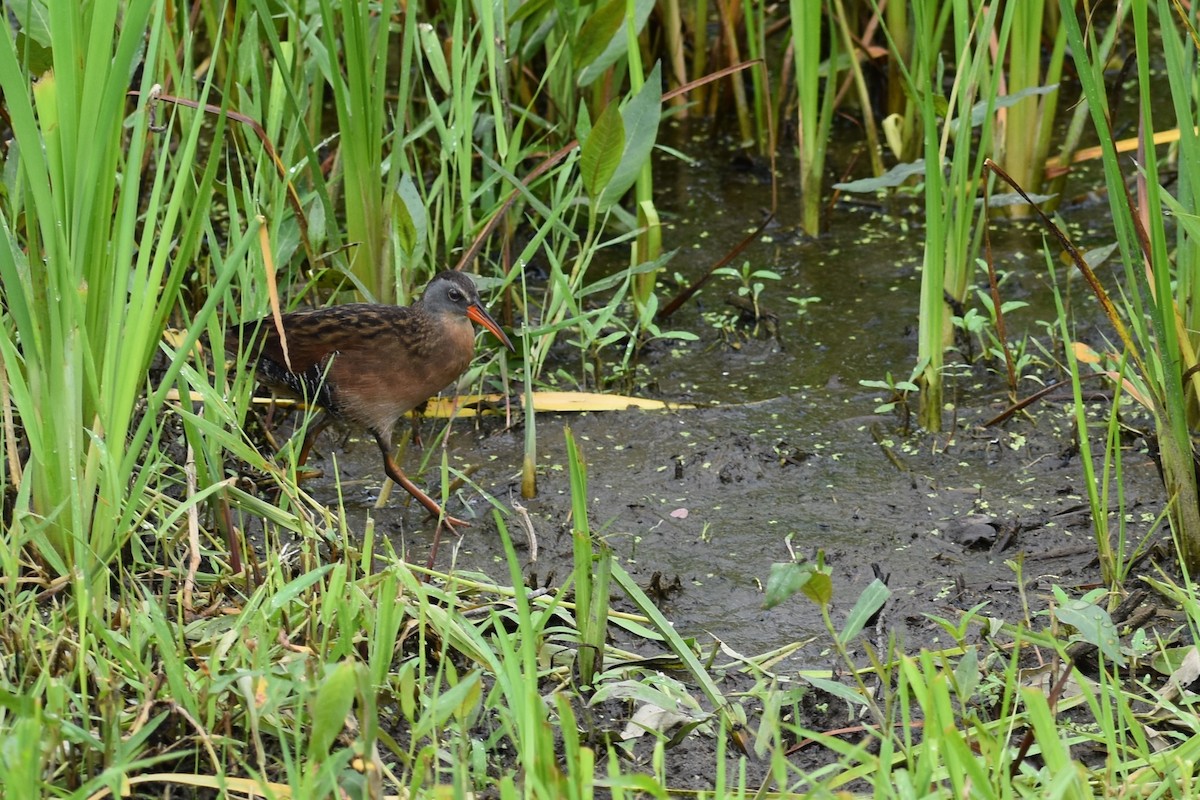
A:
(784, 452)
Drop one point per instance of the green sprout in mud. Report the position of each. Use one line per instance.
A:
(752, 285)
(897, 397)
(982, 326)
(604, 329)
(802, 303)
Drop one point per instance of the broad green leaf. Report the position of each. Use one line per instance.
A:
(330, 707)
(1093, 623)
(406, 232)
(895, 176)
(1171, 659)
(785, 580)
(600, 154)
(609, 43)
(666, 693)
(601, 29)
(410, 217)
(641, 116)
(20, 705)
(406, 690)
(870, 601)
(612, 281)
(33, 18)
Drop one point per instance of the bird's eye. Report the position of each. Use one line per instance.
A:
(456, 295)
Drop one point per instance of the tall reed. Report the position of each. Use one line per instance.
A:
(1025, 137)
(1160, 295)
(953, 167)
(360, 80)
(90, 277)
(814, 103)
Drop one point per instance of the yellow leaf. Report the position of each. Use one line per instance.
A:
(1085, 354)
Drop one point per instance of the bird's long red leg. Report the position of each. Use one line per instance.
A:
(393, 472)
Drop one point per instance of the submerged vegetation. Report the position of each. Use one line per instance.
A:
(168, 171)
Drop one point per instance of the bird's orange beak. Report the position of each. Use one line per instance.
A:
(478, 315)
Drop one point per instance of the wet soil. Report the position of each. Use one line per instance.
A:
(699, 503)
(785, 455)
(785, 452)
(993, 516)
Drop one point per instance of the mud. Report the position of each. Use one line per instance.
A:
(699, 503)
(786, 454)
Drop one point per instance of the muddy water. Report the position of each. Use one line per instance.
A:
(786, 454)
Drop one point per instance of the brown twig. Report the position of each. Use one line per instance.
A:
(1038, 395)
(1106, 303)
(994, 287)
(685, 295)
(155, 97)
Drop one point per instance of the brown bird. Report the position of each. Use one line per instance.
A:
(370, 364)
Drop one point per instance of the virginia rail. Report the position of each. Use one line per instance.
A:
(370, 364)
